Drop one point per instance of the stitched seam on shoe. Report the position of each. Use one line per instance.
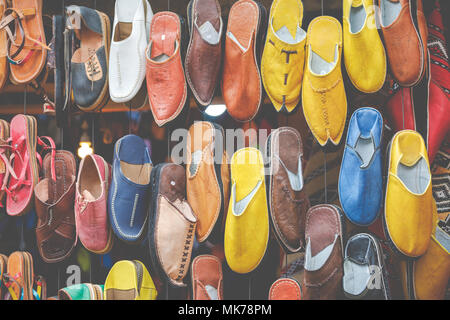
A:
(113, 211)
(277, 229)
(289, 283)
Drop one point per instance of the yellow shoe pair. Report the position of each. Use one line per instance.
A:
(294, 61)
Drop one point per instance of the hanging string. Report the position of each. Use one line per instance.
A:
(93, 131)
(325, 175)
(129, 119)
(25, 100)
(403, 110)
(321, 4)
(168, 5)
(250, 288)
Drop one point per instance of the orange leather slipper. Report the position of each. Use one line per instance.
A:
(27, 51)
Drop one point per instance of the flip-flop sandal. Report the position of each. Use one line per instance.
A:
(27, 49)
(25, 172)
(19, 276)
(4, 155)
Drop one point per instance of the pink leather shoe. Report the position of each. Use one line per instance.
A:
(91, 216)
(25, 171)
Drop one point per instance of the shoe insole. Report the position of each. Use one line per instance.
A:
(389, 11)
(164, 37)
(416, 177)
(242, 24)
(125, 13)
(314, 263)
(319, 65)
(212, 292)
(195, 161)
(207, 20)
(288, 15)
(137, 173)
(90, 42)
(208, 33)
(356, 277)
(284, 34)
(89, 179)
(357, 18)
(365, 149)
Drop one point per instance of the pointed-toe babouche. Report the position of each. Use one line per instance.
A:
(284, 54)
(323, 94)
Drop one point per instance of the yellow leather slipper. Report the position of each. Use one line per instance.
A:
(247, 222)
(409, 203)
(283, 58)
(323, 94)
(432, 270)
(364, 54)
(129, 280)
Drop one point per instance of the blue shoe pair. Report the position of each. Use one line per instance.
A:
(360, 178)
(128, 195)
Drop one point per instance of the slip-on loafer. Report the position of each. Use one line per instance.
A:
(323, 255)
(83, 291)
(427, 278)
(54, 204)
(361, 176)
(364, 54)
(409, 203)
(129, 191)
(323, 93)
(207, 278)
(91, 216)
(171, 229)
(241, 79)
(404, 31)
(285, 289)
(207, 170)
(284, 54)
(89, 63)
(288, 202)
(129, 280)
(131, 31)
(364, 269)
(247, 222)
(166, 83)
(25, 171)
(204, 53)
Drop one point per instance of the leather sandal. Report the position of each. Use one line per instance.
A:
(54, 199)
(3, 48)
(27, 51)
(23, 165)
